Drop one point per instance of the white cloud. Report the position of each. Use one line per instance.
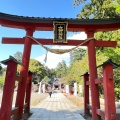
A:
(80, 36)
(54, 59)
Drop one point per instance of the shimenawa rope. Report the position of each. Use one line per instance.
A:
(60, 51)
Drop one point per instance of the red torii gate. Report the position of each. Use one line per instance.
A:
(31, 24)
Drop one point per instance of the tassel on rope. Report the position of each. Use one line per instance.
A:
(45, 60)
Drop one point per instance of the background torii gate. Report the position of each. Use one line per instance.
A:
(31, 24)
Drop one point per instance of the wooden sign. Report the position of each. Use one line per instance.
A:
(60, 32)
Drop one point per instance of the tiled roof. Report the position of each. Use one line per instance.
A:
(50, 20)
(46, 24)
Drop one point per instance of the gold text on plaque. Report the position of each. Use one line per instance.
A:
(60, 32)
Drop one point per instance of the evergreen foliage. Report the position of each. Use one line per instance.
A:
(2, 77)
(78, 54)
(46, 79)
(0, 67)
(18, 56)
(98, 9)
(50, 72)
(61, 69)
(38, 70)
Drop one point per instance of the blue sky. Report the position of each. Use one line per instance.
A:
(35, 8)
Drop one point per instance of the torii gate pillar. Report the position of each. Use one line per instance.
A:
(93, 76)
(28, 92)
(24, 72)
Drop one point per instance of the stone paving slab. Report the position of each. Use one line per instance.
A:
(58, 107)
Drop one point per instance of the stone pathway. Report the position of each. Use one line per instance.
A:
(58, 107)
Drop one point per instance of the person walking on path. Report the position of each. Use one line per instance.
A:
(49, 88)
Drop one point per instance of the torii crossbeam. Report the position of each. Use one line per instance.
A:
(70, 42)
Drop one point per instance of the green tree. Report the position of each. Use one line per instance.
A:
(50, 72)
(61, 69)
(1, 70)
(18, 56)
(38, 70)
(118, 8)
(78, 54)
(2, 77)
(76, 69)
(47, 71)
(98, 9)
(64, 68)
(0, 67)
(47, 79)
